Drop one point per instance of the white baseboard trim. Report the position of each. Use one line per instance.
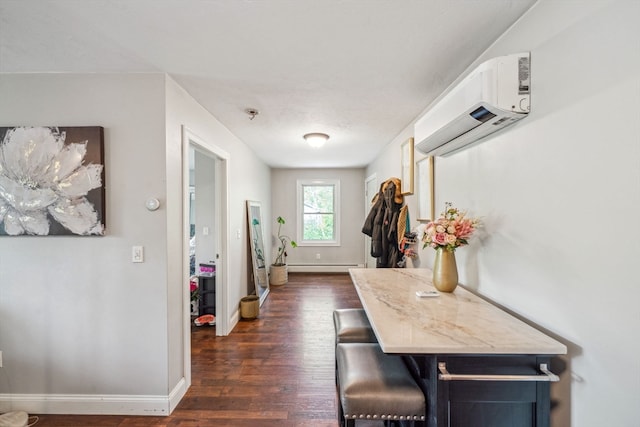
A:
(322, 268)
(82, 404)
(177, 394)
(235, 318)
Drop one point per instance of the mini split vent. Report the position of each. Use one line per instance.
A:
(493, 96)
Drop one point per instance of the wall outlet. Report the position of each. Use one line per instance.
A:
(0, 359)
(137, 254)
(317, 256)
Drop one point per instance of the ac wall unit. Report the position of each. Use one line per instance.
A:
(494, 95)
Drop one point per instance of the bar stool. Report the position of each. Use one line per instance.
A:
(373, 385)
(352, 325)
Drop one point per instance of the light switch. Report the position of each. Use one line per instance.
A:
(137, 254)
(205, 231)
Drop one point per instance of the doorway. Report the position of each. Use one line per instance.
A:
(209, 225)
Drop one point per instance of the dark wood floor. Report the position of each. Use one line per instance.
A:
(277, 370)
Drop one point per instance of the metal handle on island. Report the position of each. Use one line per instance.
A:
(547, 375)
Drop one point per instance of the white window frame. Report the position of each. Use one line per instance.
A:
(300, 212)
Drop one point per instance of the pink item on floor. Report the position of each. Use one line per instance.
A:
(205, 318)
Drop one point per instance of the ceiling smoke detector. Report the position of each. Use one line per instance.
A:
(252, 112)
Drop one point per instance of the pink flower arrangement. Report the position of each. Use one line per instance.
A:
(451, 230)
(193, 288)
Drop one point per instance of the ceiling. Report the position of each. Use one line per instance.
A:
(360, 71)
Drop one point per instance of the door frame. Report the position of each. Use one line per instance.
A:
(221, 213)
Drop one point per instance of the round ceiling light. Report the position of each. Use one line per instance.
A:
(316, 139)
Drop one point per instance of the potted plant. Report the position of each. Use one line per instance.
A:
(278, 270)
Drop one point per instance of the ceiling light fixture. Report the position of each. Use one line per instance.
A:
(316, 139)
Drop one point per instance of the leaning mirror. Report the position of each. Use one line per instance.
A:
(256, 240)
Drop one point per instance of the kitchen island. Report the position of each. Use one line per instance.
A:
(478, 365)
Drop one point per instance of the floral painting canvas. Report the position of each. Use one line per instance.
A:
(52, 181)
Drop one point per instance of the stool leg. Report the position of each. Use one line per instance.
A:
(398, 423)
(341, 419)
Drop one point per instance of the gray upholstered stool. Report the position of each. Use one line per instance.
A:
(373, 385)
(352, 325)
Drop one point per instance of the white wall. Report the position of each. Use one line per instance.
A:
(74, 311)
(205, 172)
(82, 329)
(559, 194)
(351, 249)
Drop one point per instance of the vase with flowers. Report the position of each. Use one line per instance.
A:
(450, 231)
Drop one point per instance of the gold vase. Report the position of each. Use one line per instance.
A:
(445, 271)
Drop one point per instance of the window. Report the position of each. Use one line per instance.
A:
(319, 212)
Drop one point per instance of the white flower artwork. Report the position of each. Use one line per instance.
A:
(51, 186)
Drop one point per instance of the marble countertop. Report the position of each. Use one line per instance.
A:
(452, 323)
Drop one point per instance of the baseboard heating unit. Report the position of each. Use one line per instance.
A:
(322, 268)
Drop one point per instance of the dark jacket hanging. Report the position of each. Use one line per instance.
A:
(381, 226)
